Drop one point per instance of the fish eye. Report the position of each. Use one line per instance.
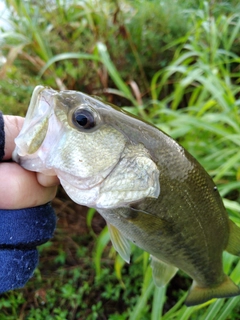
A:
(83, 119)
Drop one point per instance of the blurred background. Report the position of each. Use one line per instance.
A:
(173, 63)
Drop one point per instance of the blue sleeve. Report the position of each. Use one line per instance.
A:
(21, 231)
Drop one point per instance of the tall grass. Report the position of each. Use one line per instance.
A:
(177, 66)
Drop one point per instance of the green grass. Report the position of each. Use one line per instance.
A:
(175, 65)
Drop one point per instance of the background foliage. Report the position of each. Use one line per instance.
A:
(173, 63)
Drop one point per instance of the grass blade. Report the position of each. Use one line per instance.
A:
(68, 55)
(136, 314)
(158, 302)
(102, 242)
(228, 307)
(213, 309)
(114, 74)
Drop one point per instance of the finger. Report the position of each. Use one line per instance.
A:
(47, 181)
(19, 188)
(12, 127)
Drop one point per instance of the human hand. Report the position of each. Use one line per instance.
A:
(20, 188)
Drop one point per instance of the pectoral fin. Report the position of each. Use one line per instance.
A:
(162, 272)
(120, 243)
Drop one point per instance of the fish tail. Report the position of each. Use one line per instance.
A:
(198, 295)
(233, 245)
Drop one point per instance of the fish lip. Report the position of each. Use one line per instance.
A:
(39, 107)
(34, 100)
(40, 93)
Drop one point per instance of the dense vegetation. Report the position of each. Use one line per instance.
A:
(173, 63)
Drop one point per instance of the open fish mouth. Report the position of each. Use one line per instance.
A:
(36, 118)
(34, 131)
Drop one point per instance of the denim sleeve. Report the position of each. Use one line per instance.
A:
(21, 231)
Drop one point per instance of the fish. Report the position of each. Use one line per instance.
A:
(147, 187)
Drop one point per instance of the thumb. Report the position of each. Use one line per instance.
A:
(12, 127)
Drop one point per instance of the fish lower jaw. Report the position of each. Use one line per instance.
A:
(97, 198)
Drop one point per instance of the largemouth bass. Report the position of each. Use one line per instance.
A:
(148, 188)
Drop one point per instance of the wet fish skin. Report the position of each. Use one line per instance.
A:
(148, 188)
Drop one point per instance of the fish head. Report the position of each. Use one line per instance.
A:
(86, 143)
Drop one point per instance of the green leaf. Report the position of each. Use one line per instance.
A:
(114, 74)
(102, 241)
(137, 311)
(66, 56)
(158, 302)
